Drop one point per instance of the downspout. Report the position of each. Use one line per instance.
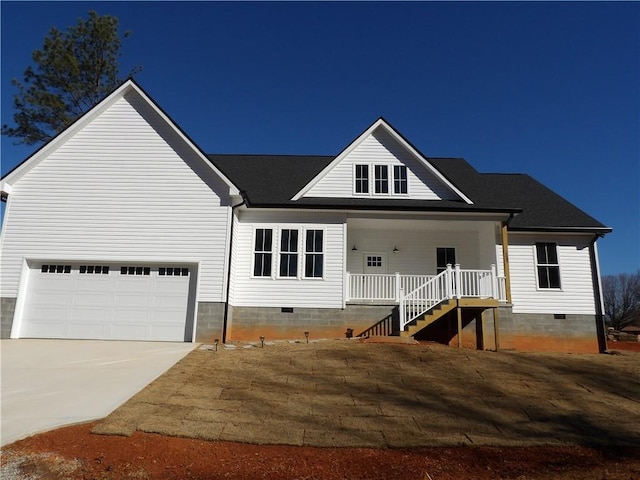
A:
(595, 278)
(225, 317)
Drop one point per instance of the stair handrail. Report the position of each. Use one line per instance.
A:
(426, 296)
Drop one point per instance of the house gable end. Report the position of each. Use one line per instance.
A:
(381, 148)
(133, 95)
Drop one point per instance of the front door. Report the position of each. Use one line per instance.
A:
(375, 263)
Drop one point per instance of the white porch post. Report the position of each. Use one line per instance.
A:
(457, 284)
(402, 310)
(398, 287)
(494, 282)
(347, 287)
(448, 276)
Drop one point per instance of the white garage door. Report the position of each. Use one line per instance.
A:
(111, 301)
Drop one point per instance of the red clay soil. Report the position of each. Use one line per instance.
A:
(74, 453)
(627, 346)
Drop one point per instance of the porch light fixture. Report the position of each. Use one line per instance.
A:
(261, 341)
(306, 335)
(354, 249)
(395, 249)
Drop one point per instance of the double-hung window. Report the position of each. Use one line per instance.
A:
(289, 253)
(399, 179)
(381, 179)
(445, 256)
(262, 252)
(547, 265)
(314, 254)
(362, 178)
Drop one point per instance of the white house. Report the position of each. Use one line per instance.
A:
(122, 228)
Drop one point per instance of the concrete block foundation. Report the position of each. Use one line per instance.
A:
(209, 321)
(249, 323)
(7, 309)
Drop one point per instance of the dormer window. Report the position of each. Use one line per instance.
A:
(387, 179)
(362, 178)
(381, 180)
(399, 179)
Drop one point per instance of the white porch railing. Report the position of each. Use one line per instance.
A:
(417, 294)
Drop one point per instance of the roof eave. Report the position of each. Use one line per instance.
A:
(600, 230)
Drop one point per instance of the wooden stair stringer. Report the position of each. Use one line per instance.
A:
(428, 318)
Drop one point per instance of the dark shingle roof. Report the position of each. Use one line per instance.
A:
(272, 180)
(542, 208)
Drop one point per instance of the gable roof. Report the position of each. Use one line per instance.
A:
(127, 87)
(381, 123)
(268, 181)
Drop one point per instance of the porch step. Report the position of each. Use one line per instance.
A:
(428, 318)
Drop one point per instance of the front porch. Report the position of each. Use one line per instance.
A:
(423, 299)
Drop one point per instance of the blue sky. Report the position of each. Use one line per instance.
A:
(549, 89)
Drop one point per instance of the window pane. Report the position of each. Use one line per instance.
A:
(362, 178)
(381, 179)
(288, 265)
(399, 179)
(543, 277)
(554, 277)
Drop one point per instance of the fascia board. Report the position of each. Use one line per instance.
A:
(410, 148)
(233, 190)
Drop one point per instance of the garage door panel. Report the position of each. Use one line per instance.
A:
(90, 314)
(81, 299)
(46, 329)
(109, 301)
(53, 299)
(133, 300)
(167, 332)
(87, 329)
(130, 331)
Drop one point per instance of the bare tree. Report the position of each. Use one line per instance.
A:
(621, 295)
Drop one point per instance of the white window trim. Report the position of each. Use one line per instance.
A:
(280, 229)
(435, 256)
(536, 265)
(253, 250)
(393, 181)
(362, 194)
(372, 180)
(304, 252)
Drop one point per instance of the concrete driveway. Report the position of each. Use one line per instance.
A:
(50, 383)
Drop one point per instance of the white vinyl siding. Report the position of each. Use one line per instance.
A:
(380, 148)
(417, 243)
(324, 292)
(124, 187)
(576, 295)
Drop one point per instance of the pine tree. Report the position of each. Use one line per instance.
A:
(73, 71)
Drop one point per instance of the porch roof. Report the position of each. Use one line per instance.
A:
(270, 181)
